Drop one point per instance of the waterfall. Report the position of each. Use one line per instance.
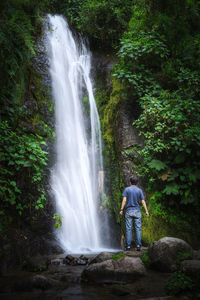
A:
(75, 176)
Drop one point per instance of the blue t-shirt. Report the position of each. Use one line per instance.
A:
(133, 195)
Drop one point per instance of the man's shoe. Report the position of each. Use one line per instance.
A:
(128, 248)
(138, 248)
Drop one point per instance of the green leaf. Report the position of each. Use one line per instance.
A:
(27, 164)
(172, 189)
(157, 164)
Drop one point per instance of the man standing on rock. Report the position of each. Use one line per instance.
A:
(131, 197)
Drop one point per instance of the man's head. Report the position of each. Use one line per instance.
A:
(133, 179)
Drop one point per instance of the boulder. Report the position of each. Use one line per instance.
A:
(103, 256)
(126, 269)
(191, 268)
(42, 282)
(196, 254)
(164, 253)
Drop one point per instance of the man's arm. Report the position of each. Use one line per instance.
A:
(122, 206)
(145, 207)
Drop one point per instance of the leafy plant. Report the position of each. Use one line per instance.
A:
(102, 21)
(58, 220)
(22, 161)
(178, 283)
(168, 136)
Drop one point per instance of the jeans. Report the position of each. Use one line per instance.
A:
(130, 215)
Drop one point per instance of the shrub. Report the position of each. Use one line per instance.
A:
(178, 283)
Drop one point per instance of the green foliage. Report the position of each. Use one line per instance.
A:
(118, 256)
(22, 146)
(17, 47)
(170, 125)
(159, 66)
(164, 221)
(183, 255)
(58, 220)
(105, 21)
(22, 159)
(157, 164)
(71, 9)
(178, 283)
(102, 21)
(137, 50)
(146, 259)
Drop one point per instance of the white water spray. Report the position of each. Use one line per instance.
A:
(79, 151)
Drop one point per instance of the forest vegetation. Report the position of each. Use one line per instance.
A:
(157, 48)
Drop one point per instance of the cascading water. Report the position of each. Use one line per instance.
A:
(75, 177)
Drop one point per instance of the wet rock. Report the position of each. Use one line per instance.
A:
(73, 261)
(191, 268)
(82, 260)
(42, 282)
(35, 282)
(127, 137)
(102, 257)
(127, 269)
(36, 263)
(196, 255)
(101, 69)
(70, 260)
(57, 261)
(134, 253)
(163, 253)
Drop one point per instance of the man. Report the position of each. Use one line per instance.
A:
(131, 198)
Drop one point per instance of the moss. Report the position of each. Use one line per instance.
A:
(111, 111)
(42, 109)
(118, 256)
(109, 108)
(156, 227)
(146, 259)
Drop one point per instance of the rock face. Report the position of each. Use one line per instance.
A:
(127, 137)
(127, 269)
(163, 253)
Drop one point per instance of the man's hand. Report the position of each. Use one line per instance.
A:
(145, 207)
(122, 206)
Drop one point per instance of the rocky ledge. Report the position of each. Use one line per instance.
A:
(115, 267)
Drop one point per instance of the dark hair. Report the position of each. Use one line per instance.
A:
(133, 179)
